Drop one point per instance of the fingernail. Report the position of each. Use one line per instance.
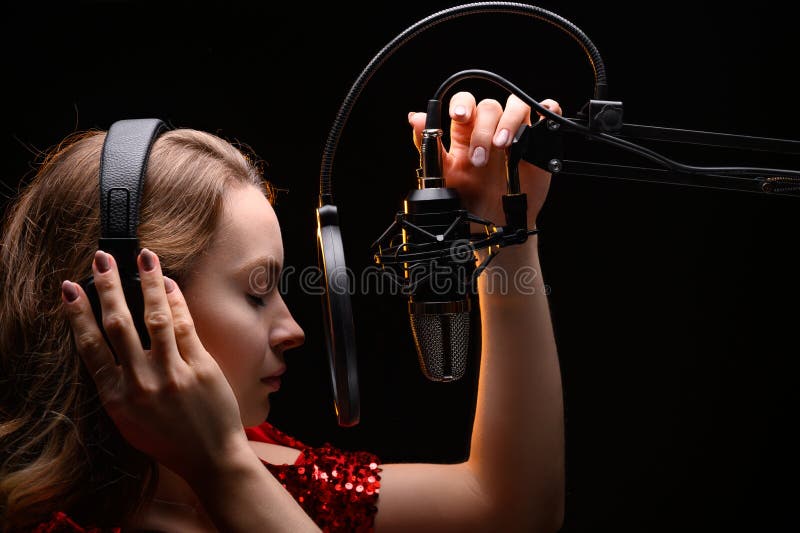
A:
(460, 111)
(410, 114)
(101, 259)
(479, 156)
(169, 285)
(501, 138)
(148, 260)
(69, 290)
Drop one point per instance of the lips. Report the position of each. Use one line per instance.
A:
(274, 380)
(274, 383)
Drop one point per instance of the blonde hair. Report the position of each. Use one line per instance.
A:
(59, 450)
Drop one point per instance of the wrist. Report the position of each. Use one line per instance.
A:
(521, 254)
(231, 461)
(514, 273)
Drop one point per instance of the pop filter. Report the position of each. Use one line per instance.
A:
(337, 313)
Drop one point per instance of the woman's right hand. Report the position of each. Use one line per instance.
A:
(172, 402)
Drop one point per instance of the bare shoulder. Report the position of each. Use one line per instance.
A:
(275, 453)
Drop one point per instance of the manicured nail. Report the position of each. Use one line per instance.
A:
(410, 114)
(460, 111)
(479, 156)
(169, 285)
(501, 138)
(69, 290)
(101, 258)
(148, 260)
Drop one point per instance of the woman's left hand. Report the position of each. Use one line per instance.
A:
(475, 164)
(165, 397)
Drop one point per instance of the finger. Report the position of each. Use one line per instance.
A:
(117, 319)
(461, 111)
(552, 105)
(157, 313)
(487, 116)
(417, 121)
(462, 115)
(189, 345)
(515, 115)
(91, 345)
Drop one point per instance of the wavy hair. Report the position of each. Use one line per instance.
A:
(59, 450)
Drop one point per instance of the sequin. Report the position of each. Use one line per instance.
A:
(339, 488)
(61, 523)
(321, 481)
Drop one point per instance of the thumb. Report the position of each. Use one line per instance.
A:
(417, 121)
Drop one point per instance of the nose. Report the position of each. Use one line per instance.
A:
(286, 332)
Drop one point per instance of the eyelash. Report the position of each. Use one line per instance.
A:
(257, 300)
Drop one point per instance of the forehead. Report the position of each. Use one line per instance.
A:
(248, 228)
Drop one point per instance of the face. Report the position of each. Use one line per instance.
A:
(236, 306)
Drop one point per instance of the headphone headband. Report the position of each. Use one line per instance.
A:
(123, 165)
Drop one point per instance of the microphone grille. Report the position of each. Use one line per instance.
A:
(442, 342)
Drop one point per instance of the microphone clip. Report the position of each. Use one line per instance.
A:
(541, 145)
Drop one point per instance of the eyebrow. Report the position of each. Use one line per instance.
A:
(272, 266)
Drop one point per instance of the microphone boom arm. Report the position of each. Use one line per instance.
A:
(542, 144)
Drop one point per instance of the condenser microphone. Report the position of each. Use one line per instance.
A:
(439, 283)
(439, 302)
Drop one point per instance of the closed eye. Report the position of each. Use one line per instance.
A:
(257, 300)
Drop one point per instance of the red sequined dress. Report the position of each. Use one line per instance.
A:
(338, 489)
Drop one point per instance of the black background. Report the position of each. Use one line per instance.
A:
(674, 308)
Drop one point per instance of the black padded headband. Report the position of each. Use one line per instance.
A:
(123, 164)
(122, 168)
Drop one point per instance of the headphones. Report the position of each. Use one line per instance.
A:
(123, 164)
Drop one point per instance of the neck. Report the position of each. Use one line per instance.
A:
(173, 489)
(174, 506)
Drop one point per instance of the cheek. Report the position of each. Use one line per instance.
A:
(236, 337)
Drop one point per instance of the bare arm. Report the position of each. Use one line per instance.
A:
(514, 477)
(517, 449)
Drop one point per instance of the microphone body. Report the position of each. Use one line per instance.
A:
(440, 289)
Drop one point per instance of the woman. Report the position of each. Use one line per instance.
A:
(174, 439)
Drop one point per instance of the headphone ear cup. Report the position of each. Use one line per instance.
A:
(94, 300)
(132, 288)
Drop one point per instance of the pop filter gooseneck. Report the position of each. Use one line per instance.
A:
(337, 308)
